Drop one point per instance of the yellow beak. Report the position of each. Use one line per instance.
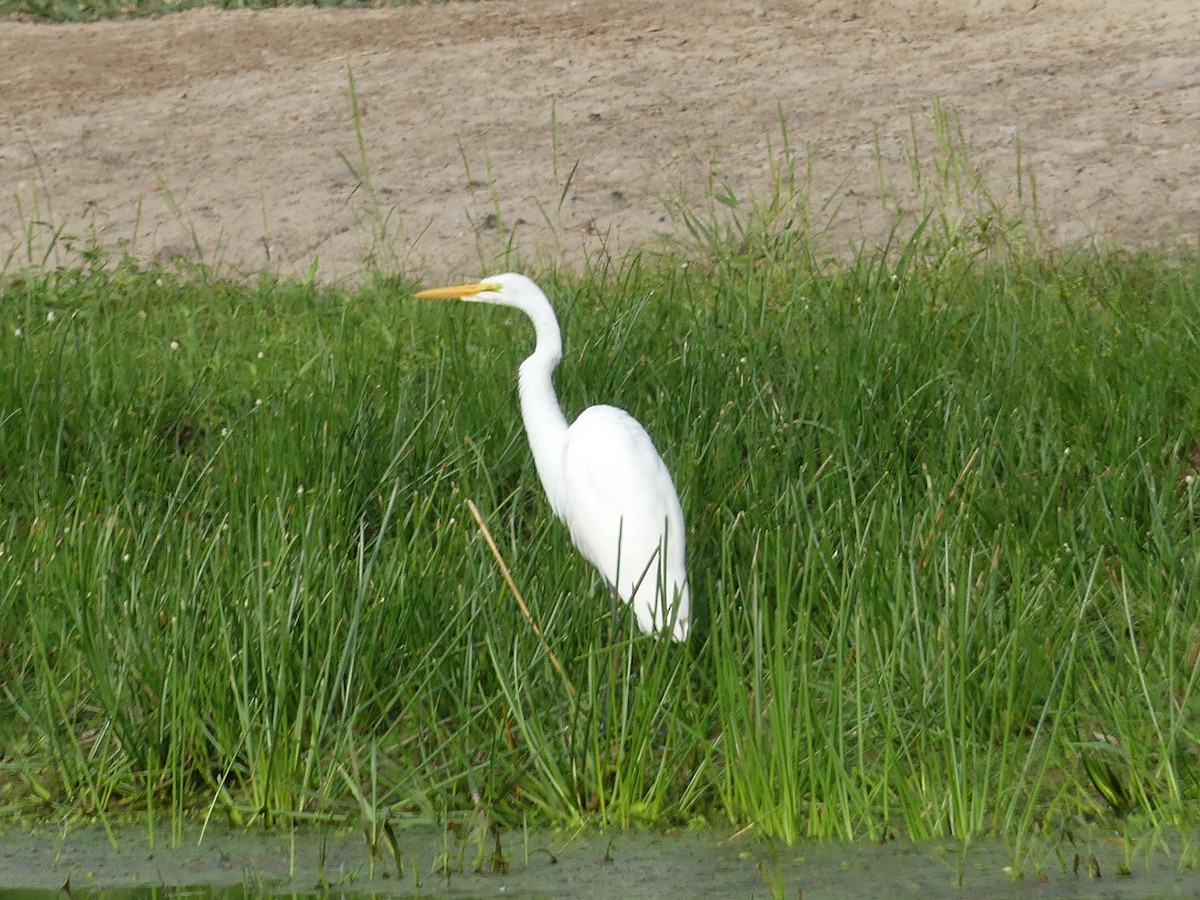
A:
(456, 292)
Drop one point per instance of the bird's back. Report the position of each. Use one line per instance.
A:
(621, 507)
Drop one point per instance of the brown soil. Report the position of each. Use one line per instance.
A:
(228, 134)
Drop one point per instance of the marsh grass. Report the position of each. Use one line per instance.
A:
(941, 535)
(941, 499)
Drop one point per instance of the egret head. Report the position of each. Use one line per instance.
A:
(508, 289)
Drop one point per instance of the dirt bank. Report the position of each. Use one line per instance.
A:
(231, 132)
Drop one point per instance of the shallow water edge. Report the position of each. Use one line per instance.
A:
(436, 861)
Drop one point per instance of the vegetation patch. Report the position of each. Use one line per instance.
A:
(941, 500)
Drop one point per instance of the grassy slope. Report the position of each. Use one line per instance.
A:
(941, 521)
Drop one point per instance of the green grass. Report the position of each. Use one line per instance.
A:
(942, 517)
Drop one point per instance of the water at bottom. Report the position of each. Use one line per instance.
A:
(232, 864)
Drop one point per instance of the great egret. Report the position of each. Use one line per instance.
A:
(601, 473)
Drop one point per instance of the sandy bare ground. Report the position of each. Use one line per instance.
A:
(228, 134)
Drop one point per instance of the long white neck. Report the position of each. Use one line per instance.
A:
(545, 424)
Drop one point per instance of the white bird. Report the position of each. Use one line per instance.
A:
(602, 475)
